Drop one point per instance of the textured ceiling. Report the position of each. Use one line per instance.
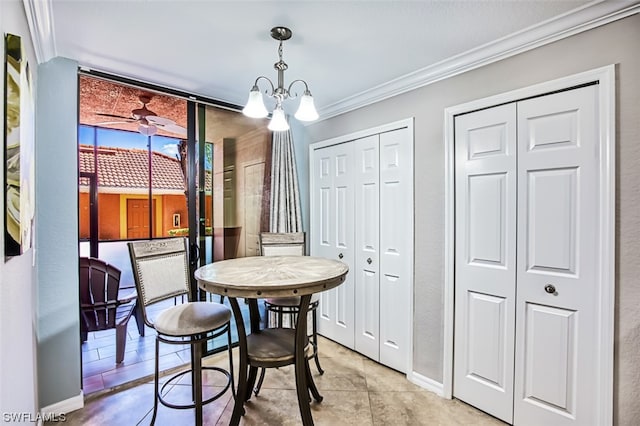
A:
(103, 97)
(341, 48)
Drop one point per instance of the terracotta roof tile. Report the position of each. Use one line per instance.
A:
(129, 168)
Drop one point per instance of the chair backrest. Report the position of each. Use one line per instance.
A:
(282, 243)
(99, 286)
(160, 270)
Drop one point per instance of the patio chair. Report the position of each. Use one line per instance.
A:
(101, 307)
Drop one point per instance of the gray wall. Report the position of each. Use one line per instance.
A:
(614, 43)
(57, 232)
(18, 388)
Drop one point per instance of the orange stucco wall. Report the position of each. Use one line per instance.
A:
(174, 204)
(109, 215)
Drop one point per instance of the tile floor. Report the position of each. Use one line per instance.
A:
(356, 390)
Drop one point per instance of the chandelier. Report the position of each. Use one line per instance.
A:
(255, 105)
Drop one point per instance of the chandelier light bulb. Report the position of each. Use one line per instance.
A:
(278, 121)
(255, 104)
(307, 109)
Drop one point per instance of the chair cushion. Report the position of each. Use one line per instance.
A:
(274, 347)
(290, 301)
(192, 318)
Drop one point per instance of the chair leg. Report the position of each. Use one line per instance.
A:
(251, 380)
(315, 342)
(121, 341)
(311, 384)
(139, 316)
(230, 348)
(197, 380)
(156, 384)
(256, 391)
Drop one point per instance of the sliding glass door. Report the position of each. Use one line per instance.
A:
(205, 177)
(233, 186)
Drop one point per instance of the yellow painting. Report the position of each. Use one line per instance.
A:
(19, 149)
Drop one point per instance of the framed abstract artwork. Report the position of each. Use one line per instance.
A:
(19, 168)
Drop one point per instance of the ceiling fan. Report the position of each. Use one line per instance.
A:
(149, 121)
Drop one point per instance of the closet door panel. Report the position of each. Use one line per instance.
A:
(367, 224)
(396, 244)
(485, 185)
(321, 227)
(332, 219)
(557, 259)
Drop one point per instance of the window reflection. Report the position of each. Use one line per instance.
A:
(240, 152)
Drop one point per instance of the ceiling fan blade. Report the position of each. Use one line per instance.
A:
(115, 116)
(108, 123)
(173, 128)
(161, 121)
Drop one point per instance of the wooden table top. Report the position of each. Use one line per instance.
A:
(271, 276)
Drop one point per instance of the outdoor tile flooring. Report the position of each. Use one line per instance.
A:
(99, 369)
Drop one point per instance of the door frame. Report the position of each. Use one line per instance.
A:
(605, 78)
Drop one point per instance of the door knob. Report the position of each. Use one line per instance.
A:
(550, 288)
(340, 256)
(369, 261)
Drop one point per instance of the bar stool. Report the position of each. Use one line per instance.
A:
(161, 272)
(288, 244)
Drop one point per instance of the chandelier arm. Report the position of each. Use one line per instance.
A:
(306, 88)
(273, 89)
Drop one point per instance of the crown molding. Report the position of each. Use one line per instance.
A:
(40, 18)
(589, 16)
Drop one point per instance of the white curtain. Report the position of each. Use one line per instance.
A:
(285, 215)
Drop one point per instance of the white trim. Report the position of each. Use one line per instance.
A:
(606, 279)
(395, 125)
(590, 16)
(40, 18)
(407, 123)
(63, 407)
(425, 382)
(449, 255)
(605, 76)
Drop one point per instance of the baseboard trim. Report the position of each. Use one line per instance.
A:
(62, 407)
(426, 383)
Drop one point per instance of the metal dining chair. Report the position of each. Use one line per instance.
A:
(161, 272)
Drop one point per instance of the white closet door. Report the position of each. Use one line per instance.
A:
(332, 218)
(396, 248)
(485, 258)
(367, 223)
(557, 242)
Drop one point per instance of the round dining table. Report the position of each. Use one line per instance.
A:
(259, 277)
